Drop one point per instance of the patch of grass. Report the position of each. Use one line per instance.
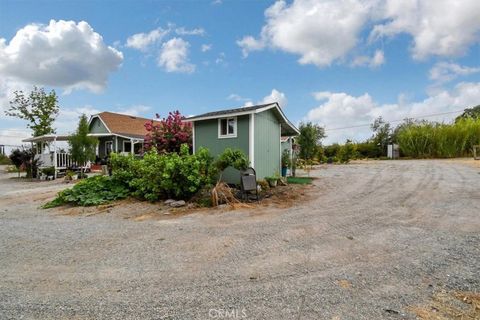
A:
(299, 180)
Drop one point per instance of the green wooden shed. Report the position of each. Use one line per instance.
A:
(256, 130)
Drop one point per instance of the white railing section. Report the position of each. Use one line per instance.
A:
(64, 160)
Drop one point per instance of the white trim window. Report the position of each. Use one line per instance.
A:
(227, 127)
(108, 147)
(127, 146)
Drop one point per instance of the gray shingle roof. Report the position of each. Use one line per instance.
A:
(220, 113)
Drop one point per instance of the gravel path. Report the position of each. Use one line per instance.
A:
(377, 238)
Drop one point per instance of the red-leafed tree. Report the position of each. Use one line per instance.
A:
(168, 134)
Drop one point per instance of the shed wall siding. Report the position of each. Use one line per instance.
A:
(267, 144)
(96, 126)
(206, 135)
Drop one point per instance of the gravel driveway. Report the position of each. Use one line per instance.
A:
(377, 238)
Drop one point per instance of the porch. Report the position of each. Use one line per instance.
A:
(51, 153)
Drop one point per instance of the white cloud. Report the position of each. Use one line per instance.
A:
(376, 60)
(441, 27)
(142, 41)
(221, 59)
(216, 2)
(339, 110)
(276, 96)
(443, 72)
(206, 47)
(182, 31)
(236, 97)
(249, 44)
(61, 54)
(12, 137)
(173, 56)
(322, 32)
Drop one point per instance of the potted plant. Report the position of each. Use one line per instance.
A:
(286, 162)
(272, 181)
(70, 175)
(49, 172)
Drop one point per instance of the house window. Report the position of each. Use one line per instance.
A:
(127, 146)
(227, 127)
(108, 147)
(138, 148)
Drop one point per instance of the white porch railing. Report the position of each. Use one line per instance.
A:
(64, 160)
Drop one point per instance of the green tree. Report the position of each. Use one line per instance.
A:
(38, 108)
(469, 113)
(382, 135)
(310, 139)
(82, 146)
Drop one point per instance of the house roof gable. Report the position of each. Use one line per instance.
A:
(122, 124)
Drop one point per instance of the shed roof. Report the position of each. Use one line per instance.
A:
(288, 129)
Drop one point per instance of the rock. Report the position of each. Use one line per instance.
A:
(167, 202)
(176, 204)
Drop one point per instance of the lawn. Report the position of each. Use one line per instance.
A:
(299, 180)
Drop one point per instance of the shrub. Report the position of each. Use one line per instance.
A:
(231, 158)
(4, 160)
(367, 150)
(347, 152)
(49, 171)
(168, 134)
(90, 192)
(159, 176)
(25, 158)
(331, 150)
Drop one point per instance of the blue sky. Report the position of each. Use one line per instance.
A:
(337, 63)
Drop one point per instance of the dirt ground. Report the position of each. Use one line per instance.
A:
(373, 240)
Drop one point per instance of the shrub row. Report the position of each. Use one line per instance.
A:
(438, 140)
(153, 177)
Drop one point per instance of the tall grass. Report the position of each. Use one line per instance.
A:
(439, 140)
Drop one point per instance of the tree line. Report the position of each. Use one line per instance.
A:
(416, 139)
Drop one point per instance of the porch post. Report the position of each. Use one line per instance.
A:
(131, 146)
(55, 157)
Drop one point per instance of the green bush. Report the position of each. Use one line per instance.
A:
(331, 150)
(4, 160)
(368, 149)
(48, 171)
(231, 158)
(90, 192)
(160, 176)
(439, 140)
(347, 152)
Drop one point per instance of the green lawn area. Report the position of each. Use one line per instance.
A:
(299, 180)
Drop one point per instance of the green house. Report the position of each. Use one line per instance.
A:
(255, 130)
(118, 133)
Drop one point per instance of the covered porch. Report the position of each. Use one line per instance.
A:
(49, 153)
(51, 150)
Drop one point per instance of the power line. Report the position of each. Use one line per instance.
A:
(418, 117)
